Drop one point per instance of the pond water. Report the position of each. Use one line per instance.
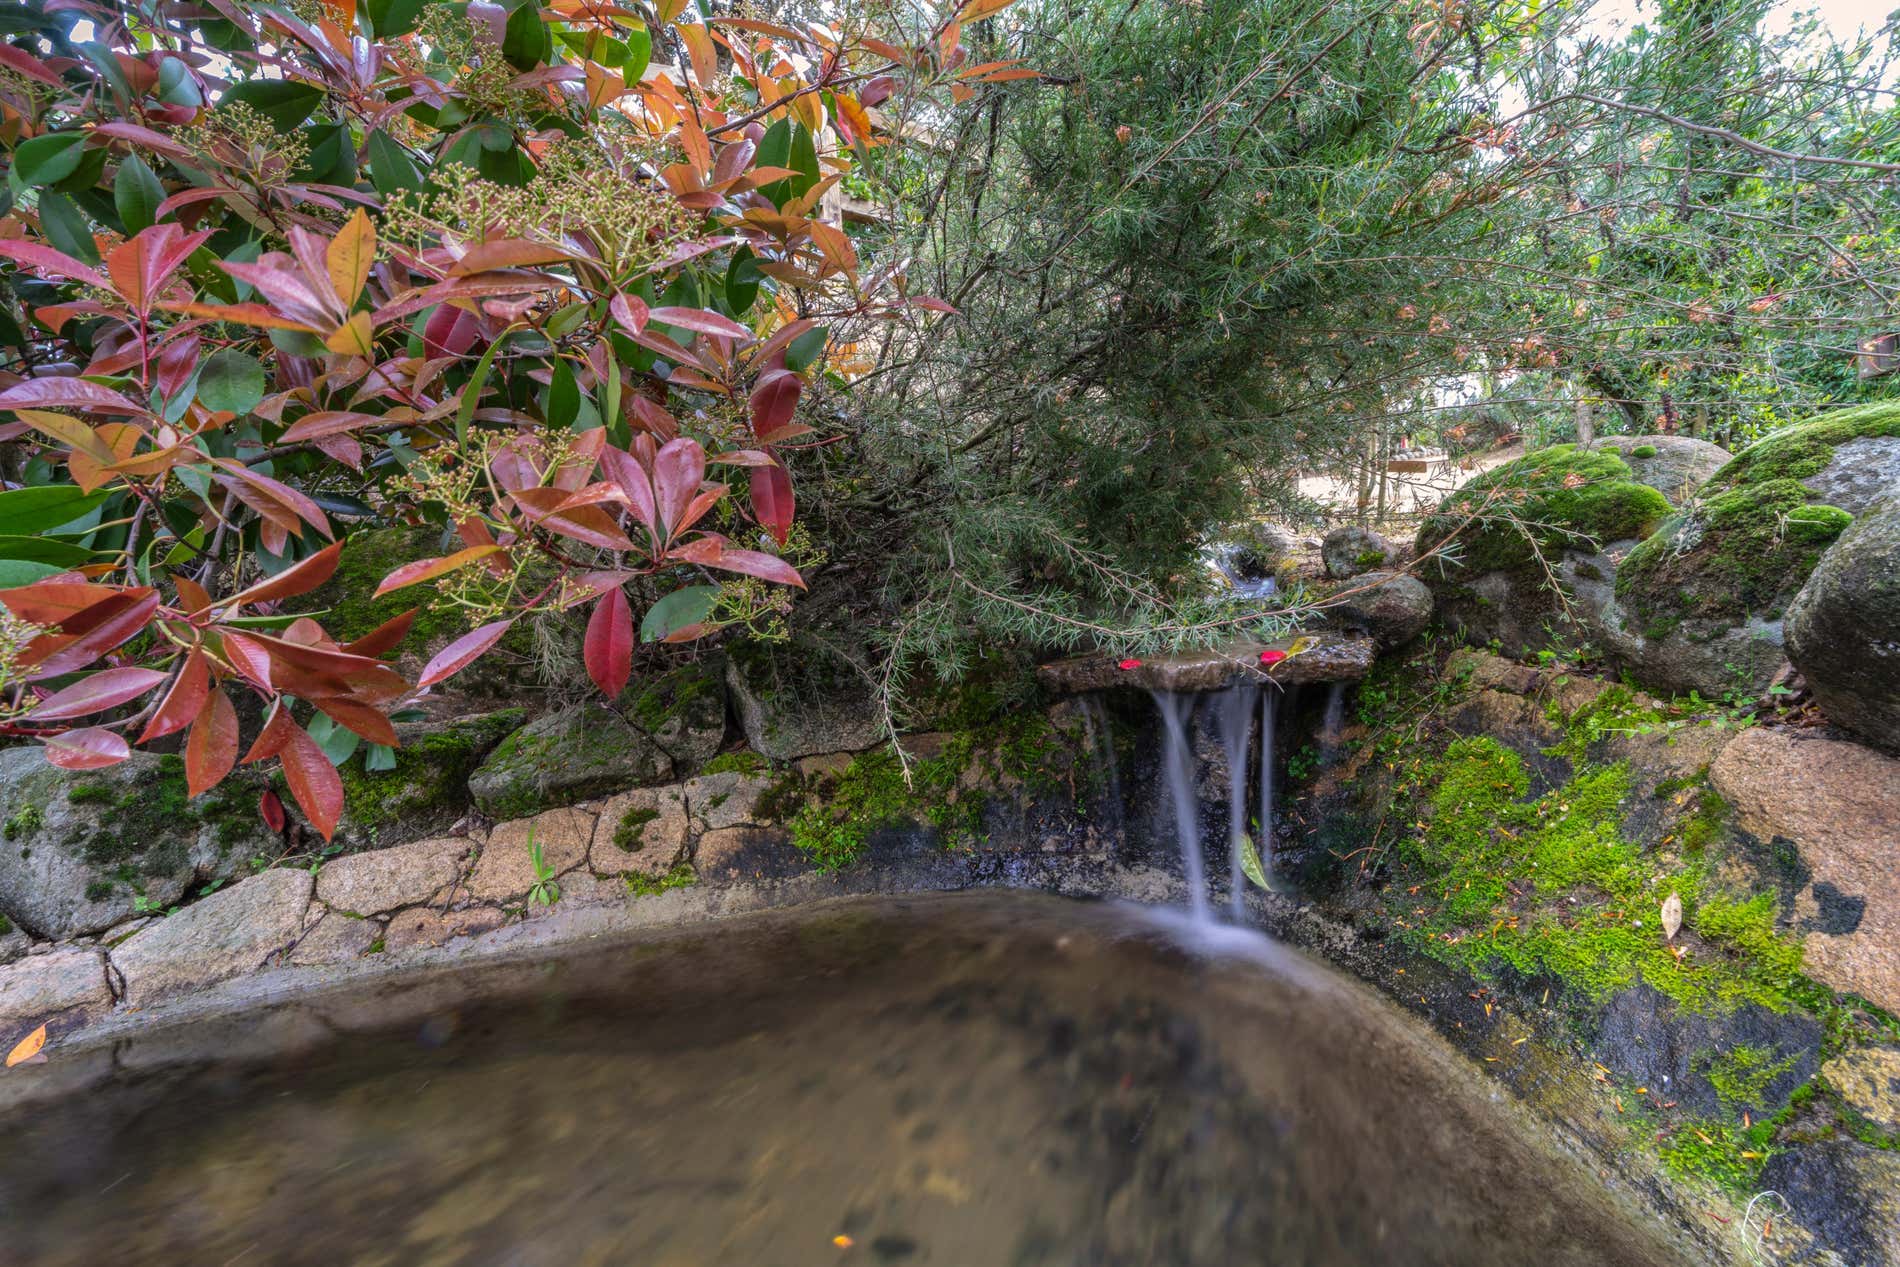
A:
(965, 1080)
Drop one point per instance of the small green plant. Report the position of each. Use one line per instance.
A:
(1302, 762)
(25, 821)
(678, 877)
(545, 892)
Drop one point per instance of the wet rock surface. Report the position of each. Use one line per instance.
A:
(1647, 1041)
(1331, 658)
(49, 988)
(1843, 628)
(1868, 1079)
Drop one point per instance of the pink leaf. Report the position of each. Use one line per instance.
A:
(678, 472)
(97, 692)
(608, 647)
(93, 748)
(700, 321)
(772, 500)
(66, 393)
(461, 653)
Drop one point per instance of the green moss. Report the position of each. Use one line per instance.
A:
(679, 877)
(837, 818)
(1549, 887)
(368, 557)
(1740, 552)
(1725, 1155)
(651, 702)
(1741, 1075)
(91, 794)
(430, 780)
(739, 761)
(1617, 710)
(151, 820)
(25, 821)
(1562, 497)
(6, 926)
(1801, 451)
(1643, 451)
(98, 890)
(630, 831)
(1370, 558)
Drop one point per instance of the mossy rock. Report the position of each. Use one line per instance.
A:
(428, 789)
(683, 709)
(1568, 504)
(1675, 466)
(1848, 458)
(801, 701)
(571, 755)
(83, 850)
(1843, 628)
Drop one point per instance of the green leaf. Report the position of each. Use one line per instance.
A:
(136, 192)
(564, 396)
(678, 610)
(17, 572)
(45, 159)
(66, 228)
(804, 160)
(390, 167)
(231, 381)
(472, 393)
(805, 349)
(639, 54)
(390, 18)
(1250, 862)
(525, 41)
(176, 87)
(775, 150)
(26, 511)
(81, 181)
(338, 742)
(379, 757)
(286, 103)
(50, 550)
(742, 282)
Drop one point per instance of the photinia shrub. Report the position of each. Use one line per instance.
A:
(532, 273)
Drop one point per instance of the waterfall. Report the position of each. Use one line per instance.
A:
(1177, 761)
(1101, 737)
(1269, 701)
(1234, 717)
(1333, 722)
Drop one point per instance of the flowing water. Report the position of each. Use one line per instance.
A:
(1269, 700)
(1177, 763)
(1235, 721)
(963, 1080)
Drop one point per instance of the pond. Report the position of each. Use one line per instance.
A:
(961, 1079)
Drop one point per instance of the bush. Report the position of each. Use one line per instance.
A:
(405, 264)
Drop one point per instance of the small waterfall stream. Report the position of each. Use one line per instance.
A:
(1177, 760)
(1234, 724)
(1101, 738)
(1235, 721)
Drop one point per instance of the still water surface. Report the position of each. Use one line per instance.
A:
(961, 1080)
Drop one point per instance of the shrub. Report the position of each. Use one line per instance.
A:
(470, 268)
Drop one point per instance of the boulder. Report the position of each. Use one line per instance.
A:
(683, 710)
(1391, 606)
(387, 879)
(1843, 628)
(794, 707)
(1838, 805)
(1564, 511)
(427, 791)
(573, 754)
(1846, 1194)
(505, 870)
(81, 851)
(228, 933)
(1674, 466)
(730, 798)
(1700, 603)
(69, 980)
(643, 832)
(1349, 551)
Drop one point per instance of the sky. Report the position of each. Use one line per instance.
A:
(1843, 17)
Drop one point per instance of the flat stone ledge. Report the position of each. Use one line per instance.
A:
(43, 987)
(233, 931)
(1331, 657)
(386, 879)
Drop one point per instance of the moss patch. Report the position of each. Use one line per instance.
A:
(149, 821)
(430, 781)
(679, 877)
(1643, 451)
(24, 822)
(1801, 451)
(630, 831)
(739, 761)
(1563, 497)
(1745, 551)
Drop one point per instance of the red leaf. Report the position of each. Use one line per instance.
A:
(772, 500)
(365, 720)
(608, 648)
(66, 393)
(183, 701)
(711, 551)
(678, 472)
(583, 523)
(449, 331)
(463, 652)
(93, 748)
(211, 748)
(428, 569)
(774, 399)
(300, 578)
(276, 733)
(507, 253)
(630, 311)
(700, 321)
(271, 810)
(631, 478)
(47, 260)
(327, 423)
(385, 637)
(96, 693)
(247, 658)
(100, 627)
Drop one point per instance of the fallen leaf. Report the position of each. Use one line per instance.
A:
(27, 1047)
(1671, 916)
